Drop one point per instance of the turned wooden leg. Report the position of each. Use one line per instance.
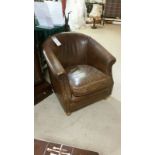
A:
(93, 27)
(103, 21)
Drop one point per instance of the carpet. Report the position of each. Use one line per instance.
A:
(95, 127)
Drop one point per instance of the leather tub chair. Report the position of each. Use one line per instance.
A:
(80, 70)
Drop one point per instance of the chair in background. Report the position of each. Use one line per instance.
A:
(80, 70)
(95, 13)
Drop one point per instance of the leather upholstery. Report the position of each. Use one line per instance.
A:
(80, 70)
(85, 79)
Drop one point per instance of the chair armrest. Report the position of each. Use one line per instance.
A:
(53, 63)
(99, 57)
(58, 77)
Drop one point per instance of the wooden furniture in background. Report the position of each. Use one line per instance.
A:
(47, 148)
(42, 88)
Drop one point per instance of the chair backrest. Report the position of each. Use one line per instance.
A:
(73, 49)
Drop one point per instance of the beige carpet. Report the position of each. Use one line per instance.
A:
(96, 127)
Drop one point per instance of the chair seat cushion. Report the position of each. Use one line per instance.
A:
(85, 79)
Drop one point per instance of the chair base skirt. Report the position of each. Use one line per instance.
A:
(77, 103)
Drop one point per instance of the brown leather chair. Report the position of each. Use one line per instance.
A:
(80, 70)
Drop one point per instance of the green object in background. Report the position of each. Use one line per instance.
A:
(36, 23)
(41, 34)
